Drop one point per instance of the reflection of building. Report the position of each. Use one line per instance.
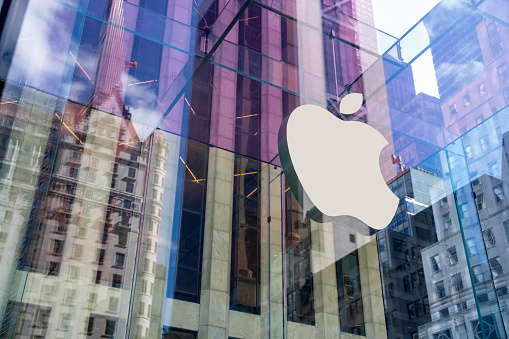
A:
(422, 120)
(81, 253)
(457, 56)
(456, 278)
(416, 117)
(224, 250)
(476, 85)
(298, 263)
(451, 295)
(400, 246)
(146, 315)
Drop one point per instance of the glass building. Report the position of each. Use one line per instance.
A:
(142, 194)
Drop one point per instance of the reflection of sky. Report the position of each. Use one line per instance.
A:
(396, 17)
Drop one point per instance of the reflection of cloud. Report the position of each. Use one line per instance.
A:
(41, 60)
(460, 72)
(443, 16)
(452, 4)
(141, 101)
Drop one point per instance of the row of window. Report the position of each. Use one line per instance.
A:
(417, 308)
(467, 99)
(478, 277)
(452, 255)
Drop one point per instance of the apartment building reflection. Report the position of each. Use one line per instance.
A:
(400, 245)
(451, 288)
(81, 243)
(475, 87)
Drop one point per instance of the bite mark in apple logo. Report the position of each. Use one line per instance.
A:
(332, 166)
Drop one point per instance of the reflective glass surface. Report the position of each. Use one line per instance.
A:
(142, 194)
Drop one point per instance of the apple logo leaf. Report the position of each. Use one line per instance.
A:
(351, 103)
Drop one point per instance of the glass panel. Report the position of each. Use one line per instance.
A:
(142, 194)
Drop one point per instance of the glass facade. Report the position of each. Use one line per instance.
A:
(142, 194)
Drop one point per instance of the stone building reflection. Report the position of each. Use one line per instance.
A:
(80, 245)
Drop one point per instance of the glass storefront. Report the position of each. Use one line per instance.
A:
(142, 194)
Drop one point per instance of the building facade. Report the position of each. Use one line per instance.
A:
(142, 194)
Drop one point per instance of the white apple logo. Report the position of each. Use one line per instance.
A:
(334, 164)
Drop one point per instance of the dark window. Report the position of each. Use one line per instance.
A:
(245, 269)
(104, 237)
(90, 326)
(425, 304)
(502, 291)
(190, 236)
(422, 278)
(457, 282)
(109, 330)
(489, 238)
(483, 298)
(119, 260)
(453, 255)
(444, 312)
(406, 283)
(440, 289)
(122, 237)
(53, 268)
(413, 279)
(73, 172)
(57, 247)
(418, 308)
(499, 192)
(350, 294)
(479, 199)
(410, 310)
(496, 267)
(98, 275)
(131, 173)
(398, 245)
(423, 234)
(453, 110)
(129, 188)
(117, 281)
(102, 254)
(127, 204)
(435, 263)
